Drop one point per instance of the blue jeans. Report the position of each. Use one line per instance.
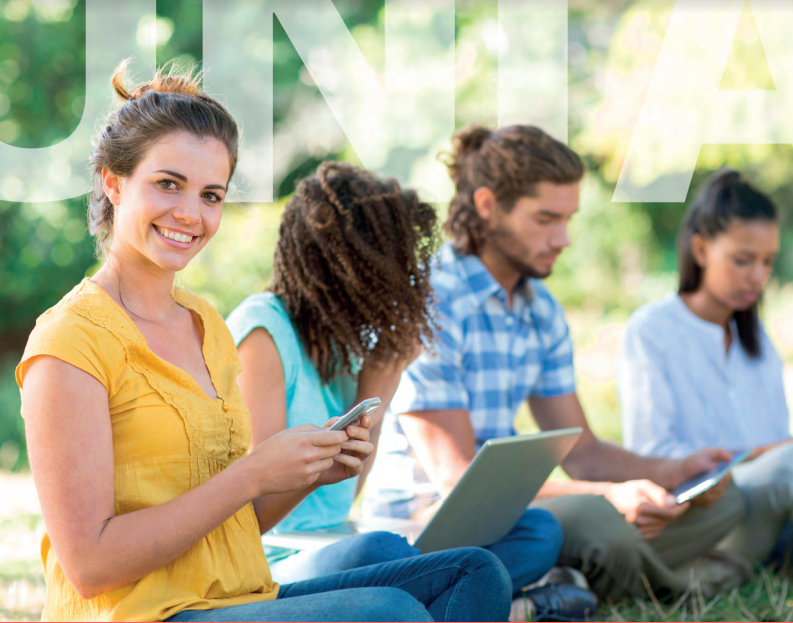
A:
(352, 552)
(466, 584)
(528, 551)
(531, 548)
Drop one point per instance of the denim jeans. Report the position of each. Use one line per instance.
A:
(528, 551)
(531, 548)
(466, 584)
(360, 550)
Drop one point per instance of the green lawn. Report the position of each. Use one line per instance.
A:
(769, 597)
(21, 573)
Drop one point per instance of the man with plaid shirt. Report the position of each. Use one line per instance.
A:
(502, 339)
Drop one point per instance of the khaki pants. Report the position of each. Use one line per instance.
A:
(613, 555)
(767, 486)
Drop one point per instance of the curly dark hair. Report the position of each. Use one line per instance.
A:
(352, 267)
(511, 162)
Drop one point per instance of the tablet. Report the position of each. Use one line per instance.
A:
(708, 480)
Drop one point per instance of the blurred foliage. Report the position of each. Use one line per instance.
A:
(623, 254)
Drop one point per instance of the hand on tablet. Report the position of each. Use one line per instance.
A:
(700, 462)
(711, 496)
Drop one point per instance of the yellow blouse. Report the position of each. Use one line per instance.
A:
(168, 437)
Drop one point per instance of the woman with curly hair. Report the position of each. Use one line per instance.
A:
(347, 310)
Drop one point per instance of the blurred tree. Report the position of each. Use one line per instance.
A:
(43, 247)
(622, 254)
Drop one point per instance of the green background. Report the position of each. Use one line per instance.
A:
(622, 255)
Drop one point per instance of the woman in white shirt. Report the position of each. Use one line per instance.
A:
(696, 368)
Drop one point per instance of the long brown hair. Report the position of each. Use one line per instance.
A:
(510, 162)
(170, 102)
(352, 267)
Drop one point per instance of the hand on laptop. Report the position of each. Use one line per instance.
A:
(646, 505)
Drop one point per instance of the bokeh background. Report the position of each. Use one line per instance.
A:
(622, 256)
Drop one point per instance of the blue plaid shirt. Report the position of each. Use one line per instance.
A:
(487, 359)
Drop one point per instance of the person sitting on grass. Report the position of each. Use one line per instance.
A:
(697, 369)
(153, 497)
(348, 307)
(502, 340)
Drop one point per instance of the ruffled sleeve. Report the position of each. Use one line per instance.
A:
(70, 337)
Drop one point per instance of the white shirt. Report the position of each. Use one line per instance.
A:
(681, 392)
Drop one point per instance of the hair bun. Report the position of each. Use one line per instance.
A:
(470, 138)
(727, 177)
(165, 81)
(465, 142)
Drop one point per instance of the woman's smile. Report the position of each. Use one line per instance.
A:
(180, 240)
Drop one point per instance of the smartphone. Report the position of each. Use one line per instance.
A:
(707, 480)
(354, 415)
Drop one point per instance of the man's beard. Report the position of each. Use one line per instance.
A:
(503, 241)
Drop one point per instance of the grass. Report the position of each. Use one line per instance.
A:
(768, 597)
(21, 573)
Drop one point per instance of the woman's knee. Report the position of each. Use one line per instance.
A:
(389, 604)
(384, 546)
(476, 560)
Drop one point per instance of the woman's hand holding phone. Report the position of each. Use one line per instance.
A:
(348, 463)
(295, 458)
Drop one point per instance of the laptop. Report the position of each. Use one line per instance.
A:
(486, 503)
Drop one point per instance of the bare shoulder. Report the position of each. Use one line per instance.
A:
(259, 346)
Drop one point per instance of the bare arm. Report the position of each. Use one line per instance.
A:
(444, 444)
(598, 461)
(381, 382)
(263, 388)
(761, 450)
(70, 444)
(594, 460)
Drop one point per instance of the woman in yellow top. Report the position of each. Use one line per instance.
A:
(153, 491)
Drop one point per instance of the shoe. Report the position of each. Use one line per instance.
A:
(561, 602)
(562, 575)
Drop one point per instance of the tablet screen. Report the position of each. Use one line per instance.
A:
(707, 480)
